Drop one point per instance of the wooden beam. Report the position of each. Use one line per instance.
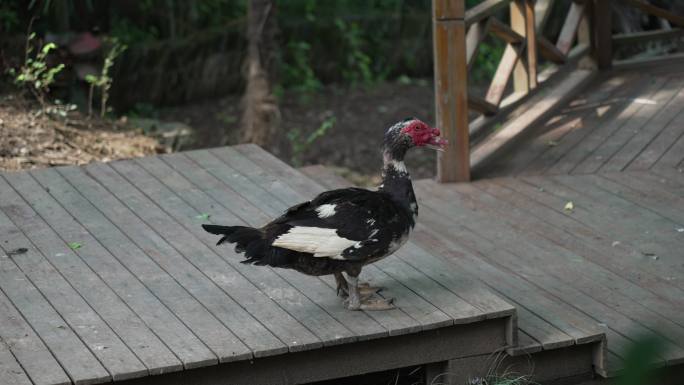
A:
(476, 33)
(517, 13)
(482, 106)
(484, 10)
(657, 11)
(602, 28)
(451, 89)
(569, 30)
(549, 51)
(542, 10)
(645, 36)
(502, 75)
(531, 36)
(505, 32)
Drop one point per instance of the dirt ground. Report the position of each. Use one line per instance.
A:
(29, 138)
(352, 145)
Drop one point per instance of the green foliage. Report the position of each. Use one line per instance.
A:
(487, 59)
(640, 360)
(357, 65)
(9, 16)
(300, 143)
(104, 81)
(297, 73)
(35, 75)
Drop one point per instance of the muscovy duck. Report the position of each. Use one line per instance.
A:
(343, 230)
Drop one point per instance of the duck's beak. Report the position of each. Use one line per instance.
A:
(436, 142)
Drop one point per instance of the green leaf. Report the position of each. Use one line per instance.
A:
(75, 245)
(569, 207)
(203, 216)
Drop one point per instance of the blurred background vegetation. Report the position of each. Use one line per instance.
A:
(179, 51)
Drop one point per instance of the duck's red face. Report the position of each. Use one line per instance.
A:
(424, 135)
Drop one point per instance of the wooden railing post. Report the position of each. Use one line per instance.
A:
(517, 14)
(451, 88)
(531, 36)
(602, 26)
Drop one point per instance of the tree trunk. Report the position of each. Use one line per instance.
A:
(261, 116)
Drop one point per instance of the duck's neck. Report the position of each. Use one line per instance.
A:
(396, 180)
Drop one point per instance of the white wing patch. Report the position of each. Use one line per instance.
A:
(326, 210)
(320, 242)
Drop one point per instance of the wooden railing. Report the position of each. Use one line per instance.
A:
(458, 34)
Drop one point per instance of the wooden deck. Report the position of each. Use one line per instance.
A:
(106, 275)
(630, 120)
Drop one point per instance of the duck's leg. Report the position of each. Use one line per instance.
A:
(342, 286)
(356, 302)
(365, 289)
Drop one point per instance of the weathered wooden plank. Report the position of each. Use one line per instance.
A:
(396, 322)
(241, 306)
(185, 326)
(621, 112)
(526, 345)
(410, 253)
(660, 145)
(95, 274)
(544, 148)
(476, 34)
(605, 296)
(74, 356)
(570, 265)
(11, 372)
(568, 32)
(484, 10)
(26, 346)
(673, 156)
(119, 359)
(570, 322)
(656, 276)
(639, 189)
(621, 220)
(645, 134)
(300, 290)
(505, 32)
(572, 235)
(550, 52)
(642, 116)
(503, 138)
(494, 232)
(101, 337)
(503, 74)
(517, 10)
(670, 179)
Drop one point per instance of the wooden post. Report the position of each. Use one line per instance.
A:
(451, 89)
(517, 11)
(603, 36)
(531, 36)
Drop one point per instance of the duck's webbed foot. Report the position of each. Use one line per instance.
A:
(358, 301)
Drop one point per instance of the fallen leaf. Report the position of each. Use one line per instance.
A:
(569, 207)
(202, 216)
(75, 245)
(552, 143)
